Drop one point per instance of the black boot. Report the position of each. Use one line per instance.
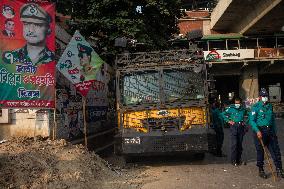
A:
(261, 173)
(239, 162)
(234, 163)
(280, 173)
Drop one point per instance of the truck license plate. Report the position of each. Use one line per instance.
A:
(134, 140)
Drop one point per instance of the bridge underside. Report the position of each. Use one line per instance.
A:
(248, 17)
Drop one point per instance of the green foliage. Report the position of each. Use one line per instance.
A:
(106, 20)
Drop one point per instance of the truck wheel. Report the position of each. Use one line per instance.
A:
(128, 159)
(199, 156)
(117, 146)
(117, 149)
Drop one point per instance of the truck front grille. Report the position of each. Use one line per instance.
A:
(164, 124)
(168, 144)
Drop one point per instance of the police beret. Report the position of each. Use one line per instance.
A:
(33, 13)
(263, 92)
(83, 49)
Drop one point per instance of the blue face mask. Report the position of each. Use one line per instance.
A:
(237, 106)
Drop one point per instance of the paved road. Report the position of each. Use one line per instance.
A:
(209, 173)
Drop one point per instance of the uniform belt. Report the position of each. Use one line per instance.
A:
(239, 122)
(264, 126)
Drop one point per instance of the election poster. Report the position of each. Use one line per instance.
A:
(27, 61)
(80, 64)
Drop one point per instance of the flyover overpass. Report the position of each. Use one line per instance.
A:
(248, 16)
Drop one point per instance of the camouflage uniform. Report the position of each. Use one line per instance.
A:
(34, 14)
(21, 56)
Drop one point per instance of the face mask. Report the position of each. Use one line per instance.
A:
(237, 105)
(264, 99)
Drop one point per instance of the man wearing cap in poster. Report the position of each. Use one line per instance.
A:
(262, 121)
(85, 55)
(35, 31)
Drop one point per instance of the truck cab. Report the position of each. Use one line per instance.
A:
(162, 103)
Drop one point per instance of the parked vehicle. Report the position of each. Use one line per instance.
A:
(162, 103)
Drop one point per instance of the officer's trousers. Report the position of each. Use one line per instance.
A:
(219, 138)
(270, 140)
(237, 135)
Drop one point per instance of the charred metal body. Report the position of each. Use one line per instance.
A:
(162, 103)
(196, 140)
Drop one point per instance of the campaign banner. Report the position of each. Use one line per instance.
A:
(27, 61)
(80, 63)
(97, 113)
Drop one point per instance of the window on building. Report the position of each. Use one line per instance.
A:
(267, 42)
(280, 42)
(0, 112)
(217, 45)
(233, 44)
(248, 43)
(202, 45)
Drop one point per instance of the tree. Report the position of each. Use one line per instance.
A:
(151, 22)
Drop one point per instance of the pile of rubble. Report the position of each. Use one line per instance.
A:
(42, 163)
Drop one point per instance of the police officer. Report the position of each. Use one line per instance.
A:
(36, 28)
(234, 115)
(217, 121)
(262, 122)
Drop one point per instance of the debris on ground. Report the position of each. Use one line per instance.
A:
(34, 163)
(2, 141)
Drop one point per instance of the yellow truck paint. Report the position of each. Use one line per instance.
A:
(193, 116)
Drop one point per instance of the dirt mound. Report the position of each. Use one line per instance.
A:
(29, 163)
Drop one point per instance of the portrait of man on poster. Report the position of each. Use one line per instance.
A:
(36, 27)
(9, 28)
(8, 11)
(85, 56)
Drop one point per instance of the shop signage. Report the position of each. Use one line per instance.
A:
(219, 55)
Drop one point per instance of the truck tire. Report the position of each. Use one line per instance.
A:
(199, 156)
(117, 145)
(128, 159)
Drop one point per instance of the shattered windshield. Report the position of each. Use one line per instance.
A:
(182, 84)
(141, 87)
(168, 85)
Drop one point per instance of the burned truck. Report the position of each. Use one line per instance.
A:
(162, 103)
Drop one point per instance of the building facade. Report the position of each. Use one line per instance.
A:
(243, 42)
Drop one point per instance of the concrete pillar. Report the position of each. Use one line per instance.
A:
(206, 27)
(249, 82)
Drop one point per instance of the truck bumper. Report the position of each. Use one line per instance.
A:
(195, 141)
